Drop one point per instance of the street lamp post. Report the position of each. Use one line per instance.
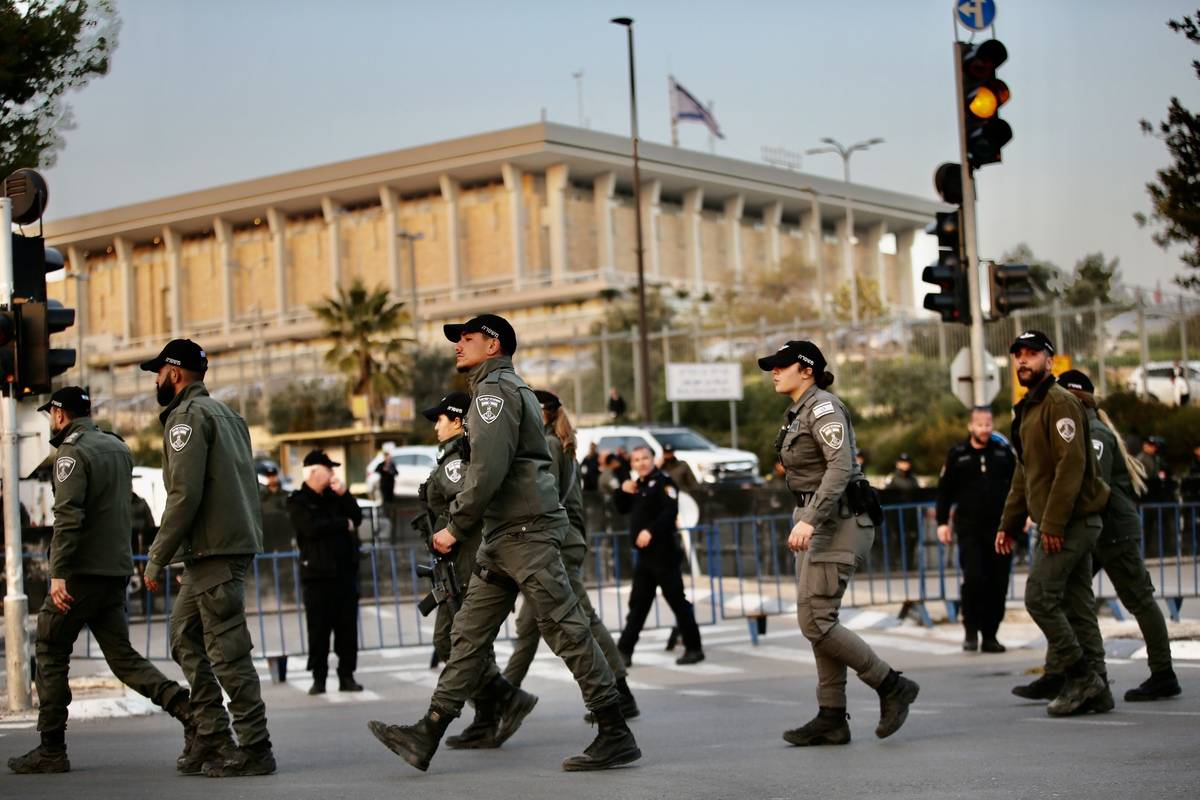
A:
(412, 239)
(834, 146)
(643, 328)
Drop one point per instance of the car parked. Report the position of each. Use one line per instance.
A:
(413, 465)
(709, 463)
(1158, 386)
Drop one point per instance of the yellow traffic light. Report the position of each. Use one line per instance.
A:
(984, 104)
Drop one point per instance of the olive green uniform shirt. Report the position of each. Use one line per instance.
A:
(1121, 519)
(93, 517)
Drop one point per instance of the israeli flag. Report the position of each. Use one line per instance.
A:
(684, 106)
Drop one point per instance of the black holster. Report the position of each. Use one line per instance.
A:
(863, 499)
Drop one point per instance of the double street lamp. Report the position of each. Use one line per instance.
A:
(834, 146)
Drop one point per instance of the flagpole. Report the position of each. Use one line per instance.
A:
(673, 111)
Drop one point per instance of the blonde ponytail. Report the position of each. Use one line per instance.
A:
(1137, 472)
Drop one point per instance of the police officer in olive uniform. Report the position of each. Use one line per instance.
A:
(834, 526)
(974, 483)
(509, 487)
(574, 552)
(1057, 483)
(213, 524)
(326, 517)
(652, 502)
(500, 707)
(1117, 552)
(90, 565)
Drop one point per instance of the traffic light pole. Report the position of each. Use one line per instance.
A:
(970, 243)
(16, 604)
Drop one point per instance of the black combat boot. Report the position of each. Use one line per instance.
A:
(481, 733)
(48, 757)
(346, 683)
(318, 684)
(1045, 687)
(1101, 703)
(690, 656)
(1081, 686)
(992, 645)
(896, 694)
(416, 744)
(672, 639)
(181, 709)
(248, 760)
(202, 749)
(629, 706)
(613, 746)
(512, 704)
(827, 727)
(971, 642)
(1159, 685)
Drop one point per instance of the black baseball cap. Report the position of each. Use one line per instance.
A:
(804, 353)
(72, 399)
(318, 456)
(1034, 340)
(549, 400)
(453, 405)
(1074, 379)
(904, 457)
(489, 324)
(183, 353)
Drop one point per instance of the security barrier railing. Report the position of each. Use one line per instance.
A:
(736, 568)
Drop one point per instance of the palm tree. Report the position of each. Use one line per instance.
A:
(367, 346)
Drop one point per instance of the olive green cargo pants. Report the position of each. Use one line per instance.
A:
(837, 550)
(528, 637)
(1122, 562)
(532, 561)
(1059, 597)
(99, 603)
(211, 643)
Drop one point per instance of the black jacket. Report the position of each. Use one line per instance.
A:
(976, 481)
(654, 508)
(328, 547)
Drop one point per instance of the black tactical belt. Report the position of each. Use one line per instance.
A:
(495, 578)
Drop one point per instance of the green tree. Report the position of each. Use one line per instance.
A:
(870, 305)
(368, 347)
(309, 406)
(47, 49)
(776, 295)
(1047, 278)
(1175, 194)
(1094, 279)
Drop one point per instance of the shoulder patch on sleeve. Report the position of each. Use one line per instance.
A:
(672, 492)
(63, 468)
(489, 407)
(179, 436)
(1098, 446)
(833, 434)
(453, 470)
(1066, 429)
(821, 409)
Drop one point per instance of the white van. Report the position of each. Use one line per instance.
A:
(1159, 386)
(710, 464)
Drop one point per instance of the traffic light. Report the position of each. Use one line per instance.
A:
(949, 274)
(1011, 288)
(37, 361)
(983, 95)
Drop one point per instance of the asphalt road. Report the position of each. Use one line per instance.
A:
(710, 731)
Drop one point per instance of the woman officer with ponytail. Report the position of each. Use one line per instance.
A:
(834, 526)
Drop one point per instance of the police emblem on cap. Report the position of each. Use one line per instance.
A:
(454, 470)
(1066, 428)
(179, 436)
(489, 407)
(63, 468)
(833, 434)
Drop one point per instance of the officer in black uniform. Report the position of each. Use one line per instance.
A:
(326, 517)
(652, 500)
(974, 482)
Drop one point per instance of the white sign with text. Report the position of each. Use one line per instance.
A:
(715, 381)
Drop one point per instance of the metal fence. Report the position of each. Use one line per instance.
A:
(735, 568)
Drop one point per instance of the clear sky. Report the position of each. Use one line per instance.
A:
(202, 94)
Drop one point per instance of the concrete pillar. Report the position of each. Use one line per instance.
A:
(389, 200)
(517, 220)
(876, 267)
(734, 208)
(277, 223)
(557, 184)
(604, 188)
(810, 222)
(124, 250)
(651, 208)
(450, 195)
(904, 266)
(693, 203)
(333, 213)
(174, 244)
(772, 216)
(844, 234)
(224, 232)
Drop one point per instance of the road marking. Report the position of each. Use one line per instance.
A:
(699, 693)
(1076, 721)
(1162, 713)
(772, 651)
(365, 696)
(910, 645)
(16, 726)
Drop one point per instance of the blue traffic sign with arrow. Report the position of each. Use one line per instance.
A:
(975, 15)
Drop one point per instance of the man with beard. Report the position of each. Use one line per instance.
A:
(508, 488)
(974, 482)
(90, 565)
(1058, 485)
(213, 524)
